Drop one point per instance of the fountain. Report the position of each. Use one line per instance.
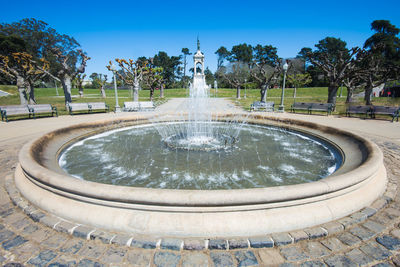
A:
(198, 174)
(198, 133)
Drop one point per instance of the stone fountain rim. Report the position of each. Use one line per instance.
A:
(194, 200)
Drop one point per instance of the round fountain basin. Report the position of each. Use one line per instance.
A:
(262, 156)
(201, 213)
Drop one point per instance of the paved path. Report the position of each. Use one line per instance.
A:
(370, 237)
(2, 93)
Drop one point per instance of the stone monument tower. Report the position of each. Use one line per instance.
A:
(199, 79)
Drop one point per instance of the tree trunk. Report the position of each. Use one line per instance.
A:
(264, 92)
(151, 93)
(184, 67)
(350, 91)
(31, 94)
(294, 93)
(332, 92)
(238, 92)
(21, 89)
(66, 82)
(103, 92)
(135, 90)
(162, 91)
(80, 91)
(368, 91)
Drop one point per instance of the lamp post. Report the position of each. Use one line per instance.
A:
(245, 85)
(285, 68)
(117, 107)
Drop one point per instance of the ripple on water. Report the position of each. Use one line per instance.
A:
(136, 156)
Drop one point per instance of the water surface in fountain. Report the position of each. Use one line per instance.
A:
(193, 152)
(263, 156)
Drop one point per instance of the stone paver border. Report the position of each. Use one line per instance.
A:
(267, 241)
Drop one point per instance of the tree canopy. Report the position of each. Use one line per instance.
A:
(40, 41)
(169, 65)
(334, 59)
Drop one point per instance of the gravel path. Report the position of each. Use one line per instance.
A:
(2, 93)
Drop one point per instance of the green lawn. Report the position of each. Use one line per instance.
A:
(315, 94)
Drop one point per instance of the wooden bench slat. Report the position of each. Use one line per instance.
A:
(386, 110)
(146, 105)
(13, 110)
(136, 106)
(98, 106)
(300, 106)
(131, 106)
(260, 105)
(43, 109)
(326, 107)
(78, 107)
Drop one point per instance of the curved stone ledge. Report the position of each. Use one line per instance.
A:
(195, 213)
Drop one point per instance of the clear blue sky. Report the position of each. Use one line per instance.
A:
(129, 29)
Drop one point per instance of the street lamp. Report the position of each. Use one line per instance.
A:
(245, 85)
(117, 107)
(285, 68)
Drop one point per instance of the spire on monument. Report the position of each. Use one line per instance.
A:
(198, 43)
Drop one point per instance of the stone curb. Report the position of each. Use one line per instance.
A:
(267, 241)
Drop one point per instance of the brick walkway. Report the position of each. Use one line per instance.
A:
(370, 237)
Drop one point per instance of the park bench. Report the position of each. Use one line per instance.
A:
(14, 110)
(261, 105)
(384, 110)
(324, 107)
(3, 107)
(300, 106)
(365, 110)
(138, 106)
(74, 107)
(98, 106)
(43, 109)
(131, 106)
(146, 105)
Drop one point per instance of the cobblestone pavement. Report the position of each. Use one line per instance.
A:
(370, 237)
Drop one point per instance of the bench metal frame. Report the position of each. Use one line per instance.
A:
(386, 110)
(300, 106)
(50, 109)
(4, 115)
(310, 107)
(72, 107)
(138, 106)
(365, 110)
(98, 106)
(323, 107)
